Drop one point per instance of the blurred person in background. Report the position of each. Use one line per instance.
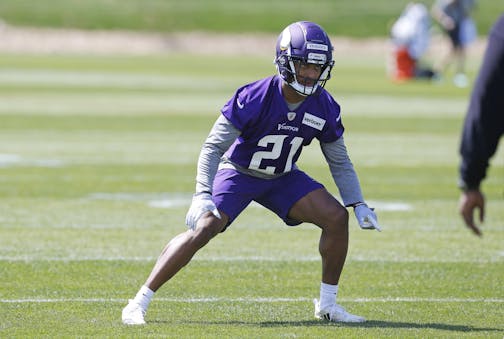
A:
(250, 155)
(483, 127)
(454, 17)
(410, 37)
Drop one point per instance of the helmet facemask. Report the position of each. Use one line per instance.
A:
(288, 68)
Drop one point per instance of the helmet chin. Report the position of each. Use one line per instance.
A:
(302, 89)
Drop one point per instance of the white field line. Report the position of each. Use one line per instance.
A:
(258, 300)
(251, 259)
(183, 199)
(9, 160)
(30, 259)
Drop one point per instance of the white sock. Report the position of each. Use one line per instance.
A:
(144, 296)
(328, 294)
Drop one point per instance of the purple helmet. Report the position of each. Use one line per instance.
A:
(305, 42)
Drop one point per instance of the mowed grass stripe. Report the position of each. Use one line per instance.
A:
(111, 104)
(119, 80)
(247, 279)
(59, 101)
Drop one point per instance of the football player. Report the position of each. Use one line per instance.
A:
(250, 155)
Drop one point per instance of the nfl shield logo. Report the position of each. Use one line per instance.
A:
(291, 116)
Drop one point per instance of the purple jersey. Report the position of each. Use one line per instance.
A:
(272, 136)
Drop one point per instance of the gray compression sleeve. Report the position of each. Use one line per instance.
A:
(342, 171)
(220, 138)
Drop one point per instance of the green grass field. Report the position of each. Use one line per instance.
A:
(97, 165)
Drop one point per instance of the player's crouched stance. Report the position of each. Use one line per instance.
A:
(250, 155)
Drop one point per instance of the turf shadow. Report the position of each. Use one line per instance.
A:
(383, 324)
(367, 324)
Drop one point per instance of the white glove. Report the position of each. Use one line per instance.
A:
(366, 217)
(201, 202)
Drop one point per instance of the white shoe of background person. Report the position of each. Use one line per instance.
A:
(460, 80)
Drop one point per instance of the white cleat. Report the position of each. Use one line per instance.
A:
(336, 314)
(133, 314)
